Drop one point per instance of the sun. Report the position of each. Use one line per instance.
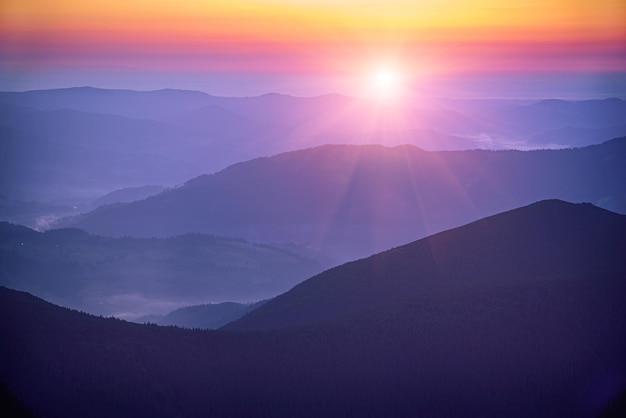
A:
(385, 84)
(385, 79)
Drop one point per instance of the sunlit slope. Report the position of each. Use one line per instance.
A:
(356, 200)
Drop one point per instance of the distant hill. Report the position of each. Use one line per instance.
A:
(550, 241)
(578, 137)
(81, 142)
(36, 215)
(128, 194)
(155, 105)
(450, 116)
(129, 277)
(512, 119)
(520, 314)
(356, 200)
(73, 153)
(207, 316)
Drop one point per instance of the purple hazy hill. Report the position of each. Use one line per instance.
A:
(70, 146)
(356, 200)
(129, 278)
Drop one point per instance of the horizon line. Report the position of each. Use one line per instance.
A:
(574, 97)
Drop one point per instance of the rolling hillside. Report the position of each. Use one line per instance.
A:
(357, 200)
(549, 243)
(78, 143)
(129, 277)
(516, 315)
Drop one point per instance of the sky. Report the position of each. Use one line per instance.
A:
(475, 48)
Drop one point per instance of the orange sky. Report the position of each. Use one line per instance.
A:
(338, 37)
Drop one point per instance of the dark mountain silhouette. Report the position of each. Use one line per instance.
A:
(132, 277)
(207, 316)
(11, 406)
(547, 242)
(355, 200)
(516, 315)
(616, 407)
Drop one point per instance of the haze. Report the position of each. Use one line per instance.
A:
(299, 208)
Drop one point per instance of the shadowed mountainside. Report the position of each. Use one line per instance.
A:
(356, 200)
(516, 315)
(550, 241)
(132, 277)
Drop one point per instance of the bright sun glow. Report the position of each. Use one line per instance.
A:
(385, 78)
(385, 84)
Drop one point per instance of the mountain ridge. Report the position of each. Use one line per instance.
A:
(357, 200)
(129, 277)
(170, 136)
(444, 262)
(548, 344)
